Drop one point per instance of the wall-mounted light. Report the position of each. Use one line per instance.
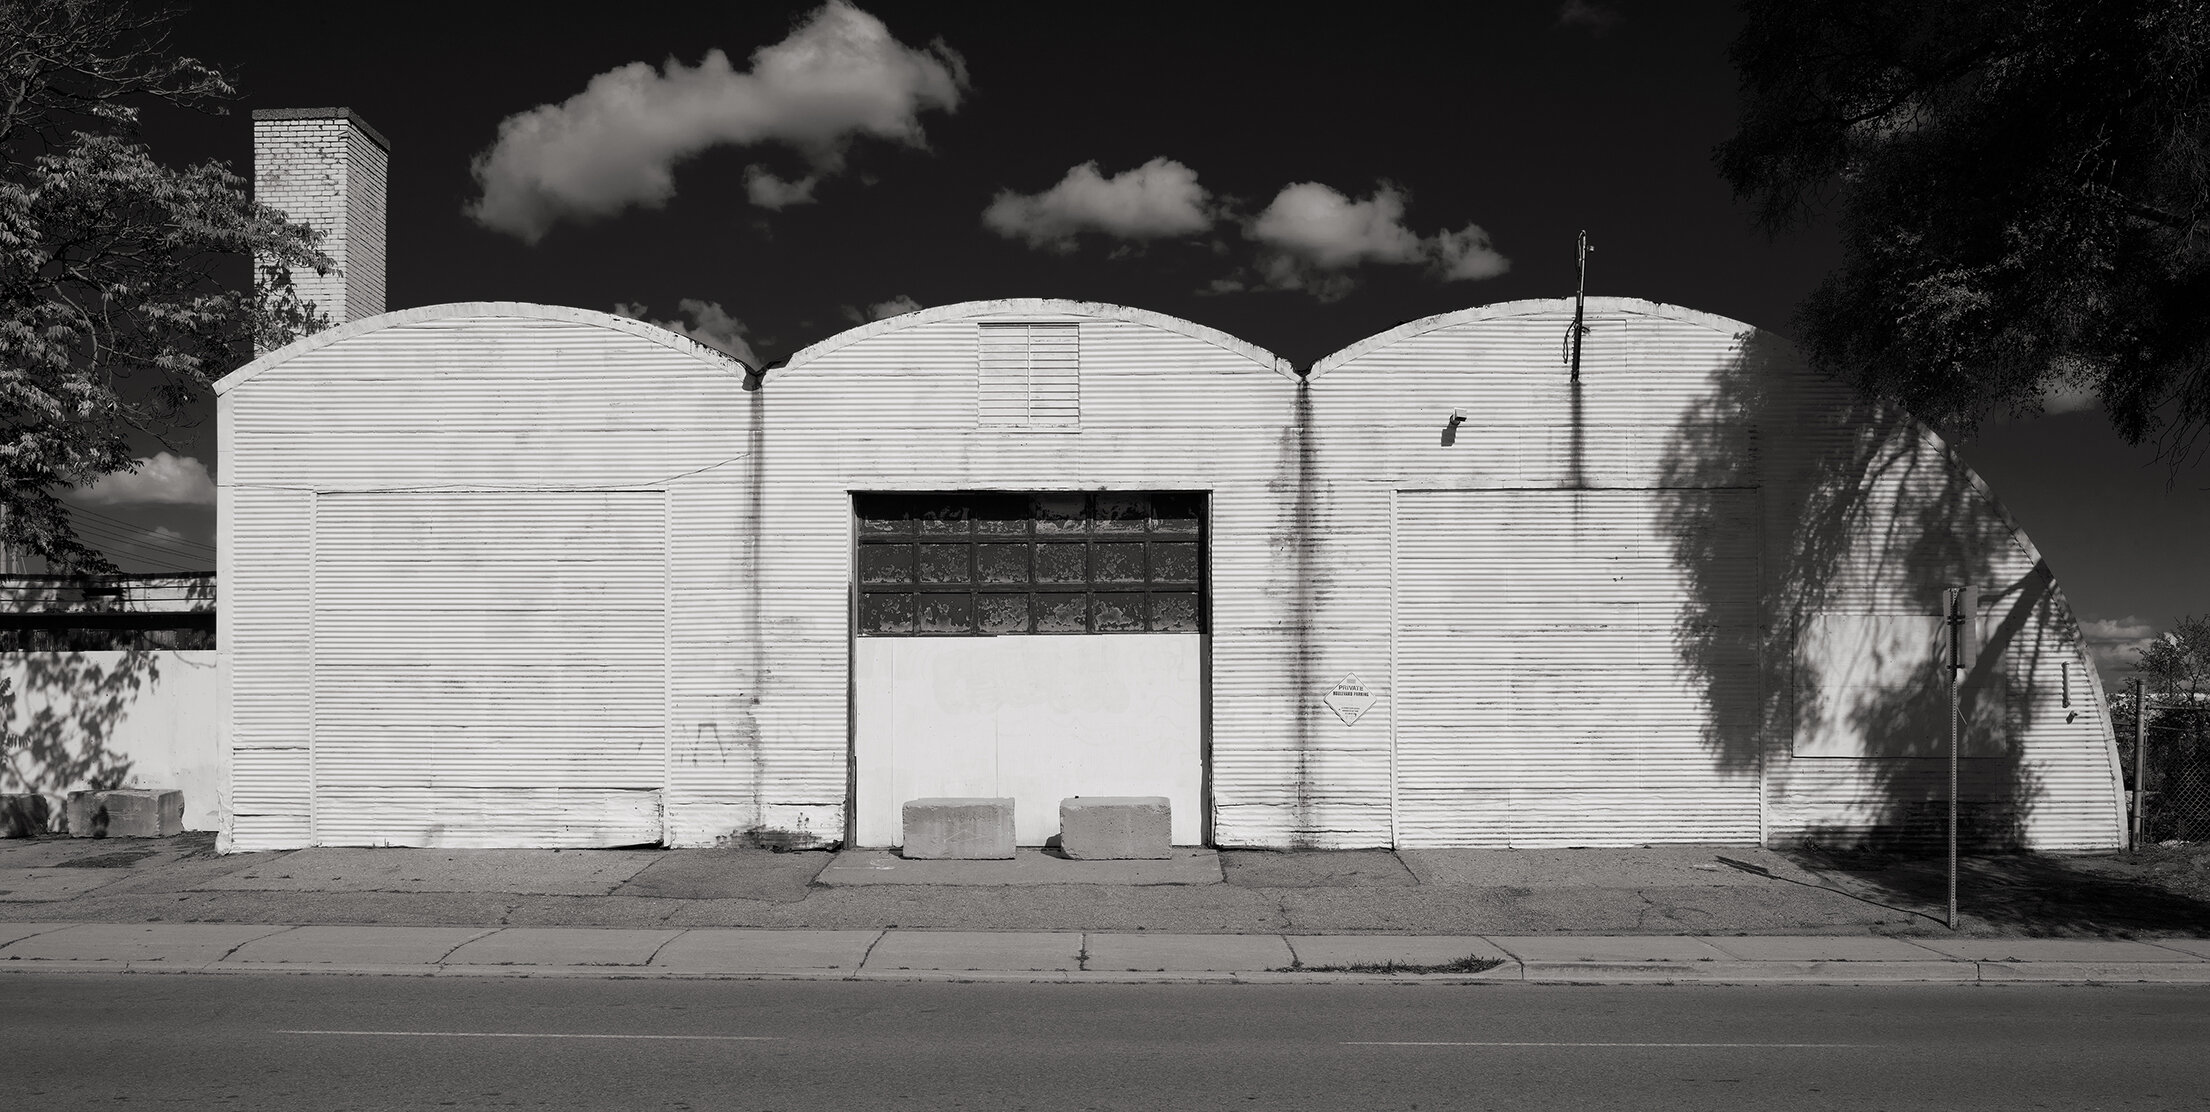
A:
(1457, 417)
(1450, 427)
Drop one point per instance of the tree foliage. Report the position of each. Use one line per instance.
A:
(2021, 190)
(114, 317)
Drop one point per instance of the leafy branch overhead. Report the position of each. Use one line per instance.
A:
(2020, 190)
(126, 285)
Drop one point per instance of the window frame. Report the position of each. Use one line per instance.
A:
(1155, 599)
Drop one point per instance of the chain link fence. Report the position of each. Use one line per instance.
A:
(2175, 770)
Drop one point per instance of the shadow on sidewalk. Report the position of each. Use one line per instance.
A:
(2035, 895)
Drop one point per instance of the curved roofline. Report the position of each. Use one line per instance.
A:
(456, 309)
(1040, 306)
(1527, 308)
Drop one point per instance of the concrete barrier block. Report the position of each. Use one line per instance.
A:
(958, 829)
(1116, 827)
(24, 816)
(125, 813)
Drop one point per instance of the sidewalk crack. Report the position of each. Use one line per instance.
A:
(879, 936)
(1082, 957)
(671, 940)
(256, 938)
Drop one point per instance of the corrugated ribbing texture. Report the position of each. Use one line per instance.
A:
(1861, 512)
(497, 594)
(1161, 410)
(511, 643)
(1540, 659)
(262, 632)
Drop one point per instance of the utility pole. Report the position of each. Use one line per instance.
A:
(1960, 610)
(2140, 758)
(1580, 304)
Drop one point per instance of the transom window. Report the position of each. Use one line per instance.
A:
(986, 564)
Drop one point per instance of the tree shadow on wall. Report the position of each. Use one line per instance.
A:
(59, 712)
(1865, 520)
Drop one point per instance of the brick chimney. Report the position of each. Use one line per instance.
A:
(325, 167)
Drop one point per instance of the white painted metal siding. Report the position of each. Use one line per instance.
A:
(1566, 678)
(1678, 413)
(494, 424)
(490, 668)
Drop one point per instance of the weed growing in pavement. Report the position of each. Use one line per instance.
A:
(1471, 963)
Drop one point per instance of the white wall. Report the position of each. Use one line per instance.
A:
(1036, 719)
(116, 719)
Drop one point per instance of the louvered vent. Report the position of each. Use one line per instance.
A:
(1030, 376)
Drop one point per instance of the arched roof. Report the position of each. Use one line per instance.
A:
(1533, 307)
(458, 309)
(1040, 306)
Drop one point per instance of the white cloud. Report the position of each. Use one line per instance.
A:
(709, 324)
(840, 75)
(1329, 230)
(896, 306)
(1467, 255)
(770, 192)
(2115, 643)
(1158, 199)
(163, 478)
(1314, 234)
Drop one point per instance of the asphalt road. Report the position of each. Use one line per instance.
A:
(333, 1042)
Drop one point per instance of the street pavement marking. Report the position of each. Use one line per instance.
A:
(539, 1035)
(1724, 1046)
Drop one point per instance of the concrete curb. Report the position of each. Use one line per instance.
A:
(1545, 973)
(942, 956)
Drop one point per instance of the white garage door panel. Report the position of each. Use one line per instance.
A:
(1545, 691)
(490, 668)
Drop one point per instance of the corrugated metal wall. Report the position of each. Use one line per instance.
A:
(1690, 419)
(1341, 506)
(455, 607)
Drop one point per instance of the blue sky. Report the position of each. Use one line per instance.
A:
(766, 175)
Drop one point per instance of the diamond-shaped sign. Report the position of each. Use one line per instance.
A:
(1349, 698)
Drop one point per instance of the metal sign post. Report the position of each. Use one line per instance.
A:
(1960, 609)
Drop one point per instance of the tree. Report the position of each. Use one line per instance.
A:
(2021, 190)
(114, 315)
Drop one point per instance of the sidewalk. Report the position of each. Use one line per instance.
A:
(909, 955)
(1681, 913)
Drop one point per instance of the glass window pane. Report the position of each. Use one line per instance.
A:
(1176, 513)
(1060, 614)
(1115, 612)
(1061, 563)
(1118, 563)
(1174, 612)
(881, 513)
(945, 563)
(1060, 513)
(1174, 562)
(947, 613)
(945, 514)
(1001, 514)
(886, 563)
(885, 613)
(1003, 613)
(1002, 563)
(1122, 513)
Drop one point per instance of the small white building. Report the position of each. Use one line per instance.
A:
(517, 575)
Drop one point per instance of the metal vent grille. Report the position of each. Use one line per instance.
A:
(1031, 376)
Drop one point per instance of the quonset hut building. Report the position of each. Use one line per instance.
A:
(518, 575)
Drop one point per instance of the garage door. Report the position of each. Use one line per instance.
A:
(489, 668)
(1576, 667)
